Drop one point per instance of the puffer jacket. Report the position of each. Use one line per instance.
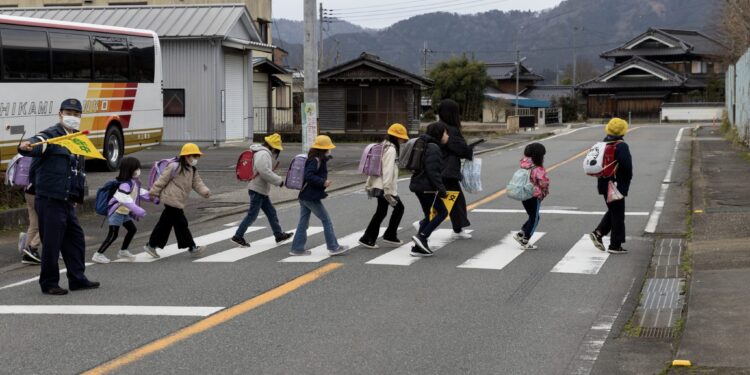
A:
(174, 191)
(263, 166)
(388, 179)
(127, 199)
(316, 174)
(453, 151)
(428, 179)
(624, 173)
(538, 177)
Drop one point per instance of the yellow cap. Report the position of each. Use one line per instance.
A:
(399, 131)
(617, 126)
(190, 149)
(323, 142)
(274, 140)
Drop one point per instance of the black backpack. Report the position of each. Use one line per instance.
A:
(411, 155)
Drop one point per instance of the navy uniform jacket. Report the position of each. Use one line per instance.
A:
(56, 172)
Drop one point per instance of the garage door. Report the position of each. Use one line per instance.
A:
(260, 102)
(234, 97)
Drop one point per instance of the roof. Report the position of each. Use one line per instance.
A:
(507, 70)
(548, 92)
(227, 21)
(373, 62)
(672, 41)
(268, 65)
(663, 77)
(522, 101)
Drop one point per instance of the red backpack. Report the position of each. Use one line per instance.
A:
(244, 169)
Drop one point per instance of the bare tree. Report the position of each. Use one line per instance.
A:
(585, 71)
(735, 27)
(497, 108)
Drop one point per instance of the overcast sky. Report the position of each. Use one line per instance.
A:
(383, 13)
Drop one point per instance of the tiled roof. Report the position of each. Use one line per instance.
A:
(682, 41)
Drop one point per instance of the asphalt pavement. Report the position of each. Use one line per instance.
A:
(478, 306)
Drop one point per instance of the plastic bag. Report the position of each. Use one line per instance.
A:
(612, 193)
(472, 173)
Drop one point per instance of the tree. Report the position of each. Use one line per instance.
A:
(585, 70)
(497, 108)
(735, 27)
(463, 81)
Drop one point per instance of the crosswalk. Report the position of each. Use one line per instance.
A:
(582, 258)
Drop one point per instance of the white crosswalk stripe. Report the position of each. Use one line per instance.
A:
(401, 255)
(500, 255)
(583, 258)
(320, 253)
(256, 247)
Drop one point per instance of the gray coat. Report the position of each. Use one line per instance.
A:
(263, 167)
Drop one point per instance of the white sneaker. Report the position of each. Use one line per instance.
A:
(340, 251)
(124, 254)
(462, 235)
(151, 251)
(100, 258)
(300, 253)
(529, 246)
(196, 251)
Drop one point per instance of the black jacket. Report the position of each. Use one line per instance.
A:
(316, 174)
(455, 150)
(56, 172)
(624, 168)
(428, 179)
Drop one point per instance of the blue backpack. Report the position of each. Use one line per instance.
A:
(104, 195)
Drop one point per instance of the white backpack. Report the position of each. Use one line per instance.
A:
(520, 187)
(600, 160)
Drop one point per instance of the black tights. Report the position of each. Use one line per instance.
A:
(112, 236)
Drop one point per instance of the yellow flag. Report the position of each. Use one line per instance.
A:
(78, 144)
(448, 201)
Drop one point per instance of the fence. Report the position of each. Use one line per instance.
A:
(737, 93)
(269, 120)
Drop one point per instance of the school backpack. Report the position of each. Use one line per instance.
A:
(600, 160)
(410, 157)
(17, 173)
(158, 168)
(370, 162)
(295, 176)
(244, 168)
(103, 195)
(520, 187)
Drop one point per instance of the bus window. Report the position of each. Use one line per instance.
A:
(141, 59)
(25, 55)
(110, 59)
(71, 57)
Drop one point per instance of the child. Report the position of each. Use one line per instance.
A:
(173, 190)
(427, 184)
(385, 189)
(533, 159)
(316, 182)
(124, 207)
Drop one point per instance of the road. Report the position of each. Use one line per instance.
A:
(479, 306)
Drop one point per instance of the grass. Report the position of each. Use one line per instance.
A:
(631, 328)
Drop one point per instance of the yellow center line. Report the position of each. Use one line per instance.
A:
(212, 321)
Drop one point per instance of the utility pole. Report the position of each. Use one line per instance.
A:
(320, 35)
(310, 59)
(518, 71)
(575, 54)
(425, 53)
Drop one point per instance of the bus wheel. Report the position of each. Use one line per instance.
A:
(114, 147)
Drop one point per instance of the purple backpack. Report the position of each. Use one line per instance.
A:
(17, 174)
(369, 163)
(158, 168)
(295, 176)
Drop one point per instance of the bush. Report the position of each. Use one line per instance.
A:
(10, 198)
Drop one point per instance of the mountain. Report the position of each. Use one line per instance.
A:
(545, 38)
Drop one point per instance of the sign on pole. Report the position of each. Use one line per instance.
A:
(310, 125)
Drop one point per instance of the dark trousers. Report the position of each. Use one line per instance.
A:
(614, 222)
(170, 218)
(373, 229)
(429, 201)
(531, 206)
(459, 215)
(60, 232)
(114, 230)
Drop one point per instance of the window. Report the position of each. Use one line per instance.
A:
(282, 96)
(174, 102)
(25, 54)
(698, 67)
(141, 59)
(263, 27)
(71, 56)
(110, 59)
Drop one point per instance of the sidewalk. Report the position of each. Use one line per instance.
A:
(717, 330)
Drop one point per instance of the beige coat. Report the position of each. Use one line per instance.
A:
(388, 179)
(174, 192)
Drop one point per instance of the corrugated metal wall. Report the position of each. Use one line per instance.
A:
(332, 114)
(192, 65)
(738, 96)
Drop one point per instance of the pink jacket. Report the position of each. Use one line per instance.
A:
(538, 178)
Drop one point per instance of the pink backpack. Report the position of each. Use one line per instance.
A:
(158, 168)
(369, 163)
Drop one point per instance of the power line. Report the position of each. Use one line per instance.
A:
(433, 5)
(409, 13)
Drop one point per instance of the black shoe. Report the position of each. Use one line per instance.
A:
(619, 250)
(417, 251)
(240, 241)
(368, 244)
(29, 260)
(596, 238)
(33, 254)
(88, 285)
(393, 241)
(283, 237)
(55, 291)
(421, 243)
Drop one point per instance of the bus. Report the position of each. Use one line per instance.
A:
(115, 72)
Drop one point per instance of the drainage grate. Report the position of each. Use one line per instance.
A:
(657, 332)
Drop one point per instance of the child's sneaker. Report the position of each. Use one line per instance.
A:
(124, 254)
(283, 237)
(151, 251)
(240, 241)
(596, 238)
(340, 251)
(196, 251)
(417, 251)
(529, 246)
(369, 245)
(619, 250)
(100, 258)
(519, 237)
(462, 235)
(300, 253)
(393, 241)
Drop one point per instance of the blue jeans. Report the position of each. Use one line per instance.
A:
(429, 201)
(259, 202)
(300, 236)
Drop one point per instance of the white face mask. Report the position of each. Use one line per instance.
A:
(193, 161)
(72, 122)
(136, 173)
